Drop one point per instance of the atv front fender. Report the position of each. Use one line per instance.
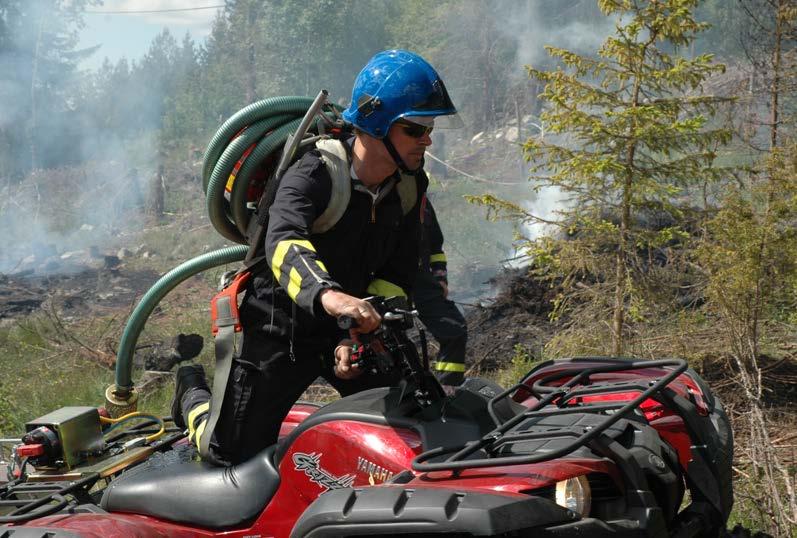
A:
(390, 511)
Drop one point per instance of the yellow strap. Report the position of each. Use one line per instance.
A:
(385, 289)
(282, 250)
(438, 258)
(449, 366)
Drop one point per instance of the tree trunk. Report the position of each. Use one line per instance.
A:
(157, 188)
(618, 320)
(33, 127)
(776, 59)
(251, 81)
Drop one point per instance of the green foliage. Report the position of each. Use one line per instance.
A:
(750, 253)
(520, 364)
(7, 412)
(627, 134)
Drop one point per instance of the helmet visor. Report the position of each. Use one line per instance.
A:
(436, 104)
(449, 121)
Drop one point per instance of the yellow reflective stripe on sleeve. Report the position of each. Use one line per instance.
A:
(321, 265)
(438, 258)
(449, 366)
(282, 250)
(385, 289)
(294, 284)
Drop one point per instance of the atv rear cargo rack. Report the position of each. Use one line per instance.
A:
(50, 497)
(558, 396)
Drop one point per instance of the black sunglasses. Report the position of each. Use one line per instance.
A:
(415, 130)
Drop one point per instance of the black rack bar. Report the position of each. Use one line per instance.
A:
(502, 435)
(35, 508)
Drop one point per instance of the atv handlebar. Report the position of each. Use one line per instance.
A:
(389, 349)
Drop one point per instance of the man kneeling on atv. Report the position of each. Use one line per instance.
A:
(311, 277)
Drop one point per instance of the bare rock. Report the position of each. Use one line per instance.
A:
(511, 134)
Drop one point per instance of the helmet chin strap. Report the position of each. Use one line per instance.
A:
(397, 158)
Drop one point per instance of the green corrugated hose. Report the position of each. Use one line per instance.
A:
(264, 126)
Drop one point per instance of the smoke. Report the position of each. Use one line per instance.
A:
(556, 23)
(534, 24)
(545, 206)
(68, 176)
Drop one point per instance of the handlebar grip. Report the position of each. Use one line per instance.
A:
(347, 322)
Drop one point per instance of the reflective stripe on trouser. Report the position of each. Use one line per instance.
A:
(441, 366)
(197, 419)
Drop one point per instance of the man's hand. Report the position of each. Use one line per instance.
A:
(336, 304)
(343, 365)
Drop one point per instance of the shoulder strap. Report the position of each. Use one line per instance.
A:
(407, 190)
(336, 159)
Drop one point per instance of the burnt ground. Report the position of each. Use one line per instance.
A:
(517, 316)
(79, 294)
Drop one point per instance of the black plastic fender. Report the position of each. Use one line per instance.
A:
(394, 510)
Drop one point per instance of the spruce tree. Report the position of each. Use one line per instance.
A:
(627, 133)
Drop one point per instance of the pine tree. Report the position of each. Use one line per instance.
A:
(627, 132)
(38, 83)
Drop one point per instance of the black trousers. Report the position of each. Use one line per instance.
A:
(443, 319)
(265, 381)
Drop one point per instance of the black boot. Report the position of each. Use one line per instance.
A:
(188, 378)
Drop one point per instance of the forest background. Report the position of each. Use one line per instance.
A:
(695, 257)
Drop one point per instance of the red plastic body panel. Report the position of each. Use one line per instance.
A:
(668, 424)
(296, 416)
(352, 452)
(348, 453)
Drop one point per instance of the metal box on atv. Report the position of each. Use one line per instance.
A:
(605, 447)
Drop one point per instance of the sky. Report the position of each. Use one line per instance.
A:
(123, 29)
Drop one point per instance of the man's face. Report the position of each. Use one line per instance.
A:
(410, 140)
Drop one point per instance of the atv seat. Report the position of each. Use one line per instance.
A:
(174, 486)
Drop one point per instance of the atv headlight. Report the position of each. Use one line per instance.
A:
(574, 494)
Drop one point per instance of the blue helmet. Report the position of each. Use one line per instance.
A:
(396, 84)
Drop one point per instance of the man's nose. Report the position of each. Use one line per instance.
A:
(426, 139)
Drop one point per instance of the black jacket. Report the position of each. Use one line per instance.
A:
(370, 242)
(432, 256)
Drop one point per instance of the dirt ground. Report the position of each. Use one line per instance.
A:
(517, 316)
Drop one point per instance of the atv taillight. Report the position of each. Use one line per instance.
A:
(650, 407)
(696, 395)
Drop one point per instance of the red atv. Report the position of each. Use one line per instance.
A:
(580, 447)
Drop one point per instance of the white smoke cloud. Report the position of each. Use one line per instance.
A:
(525, 24)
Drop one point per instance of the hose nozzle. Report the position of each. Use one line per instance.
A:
(120, 401)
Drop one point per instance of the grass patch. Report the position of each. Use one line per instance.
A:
(41, 373)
